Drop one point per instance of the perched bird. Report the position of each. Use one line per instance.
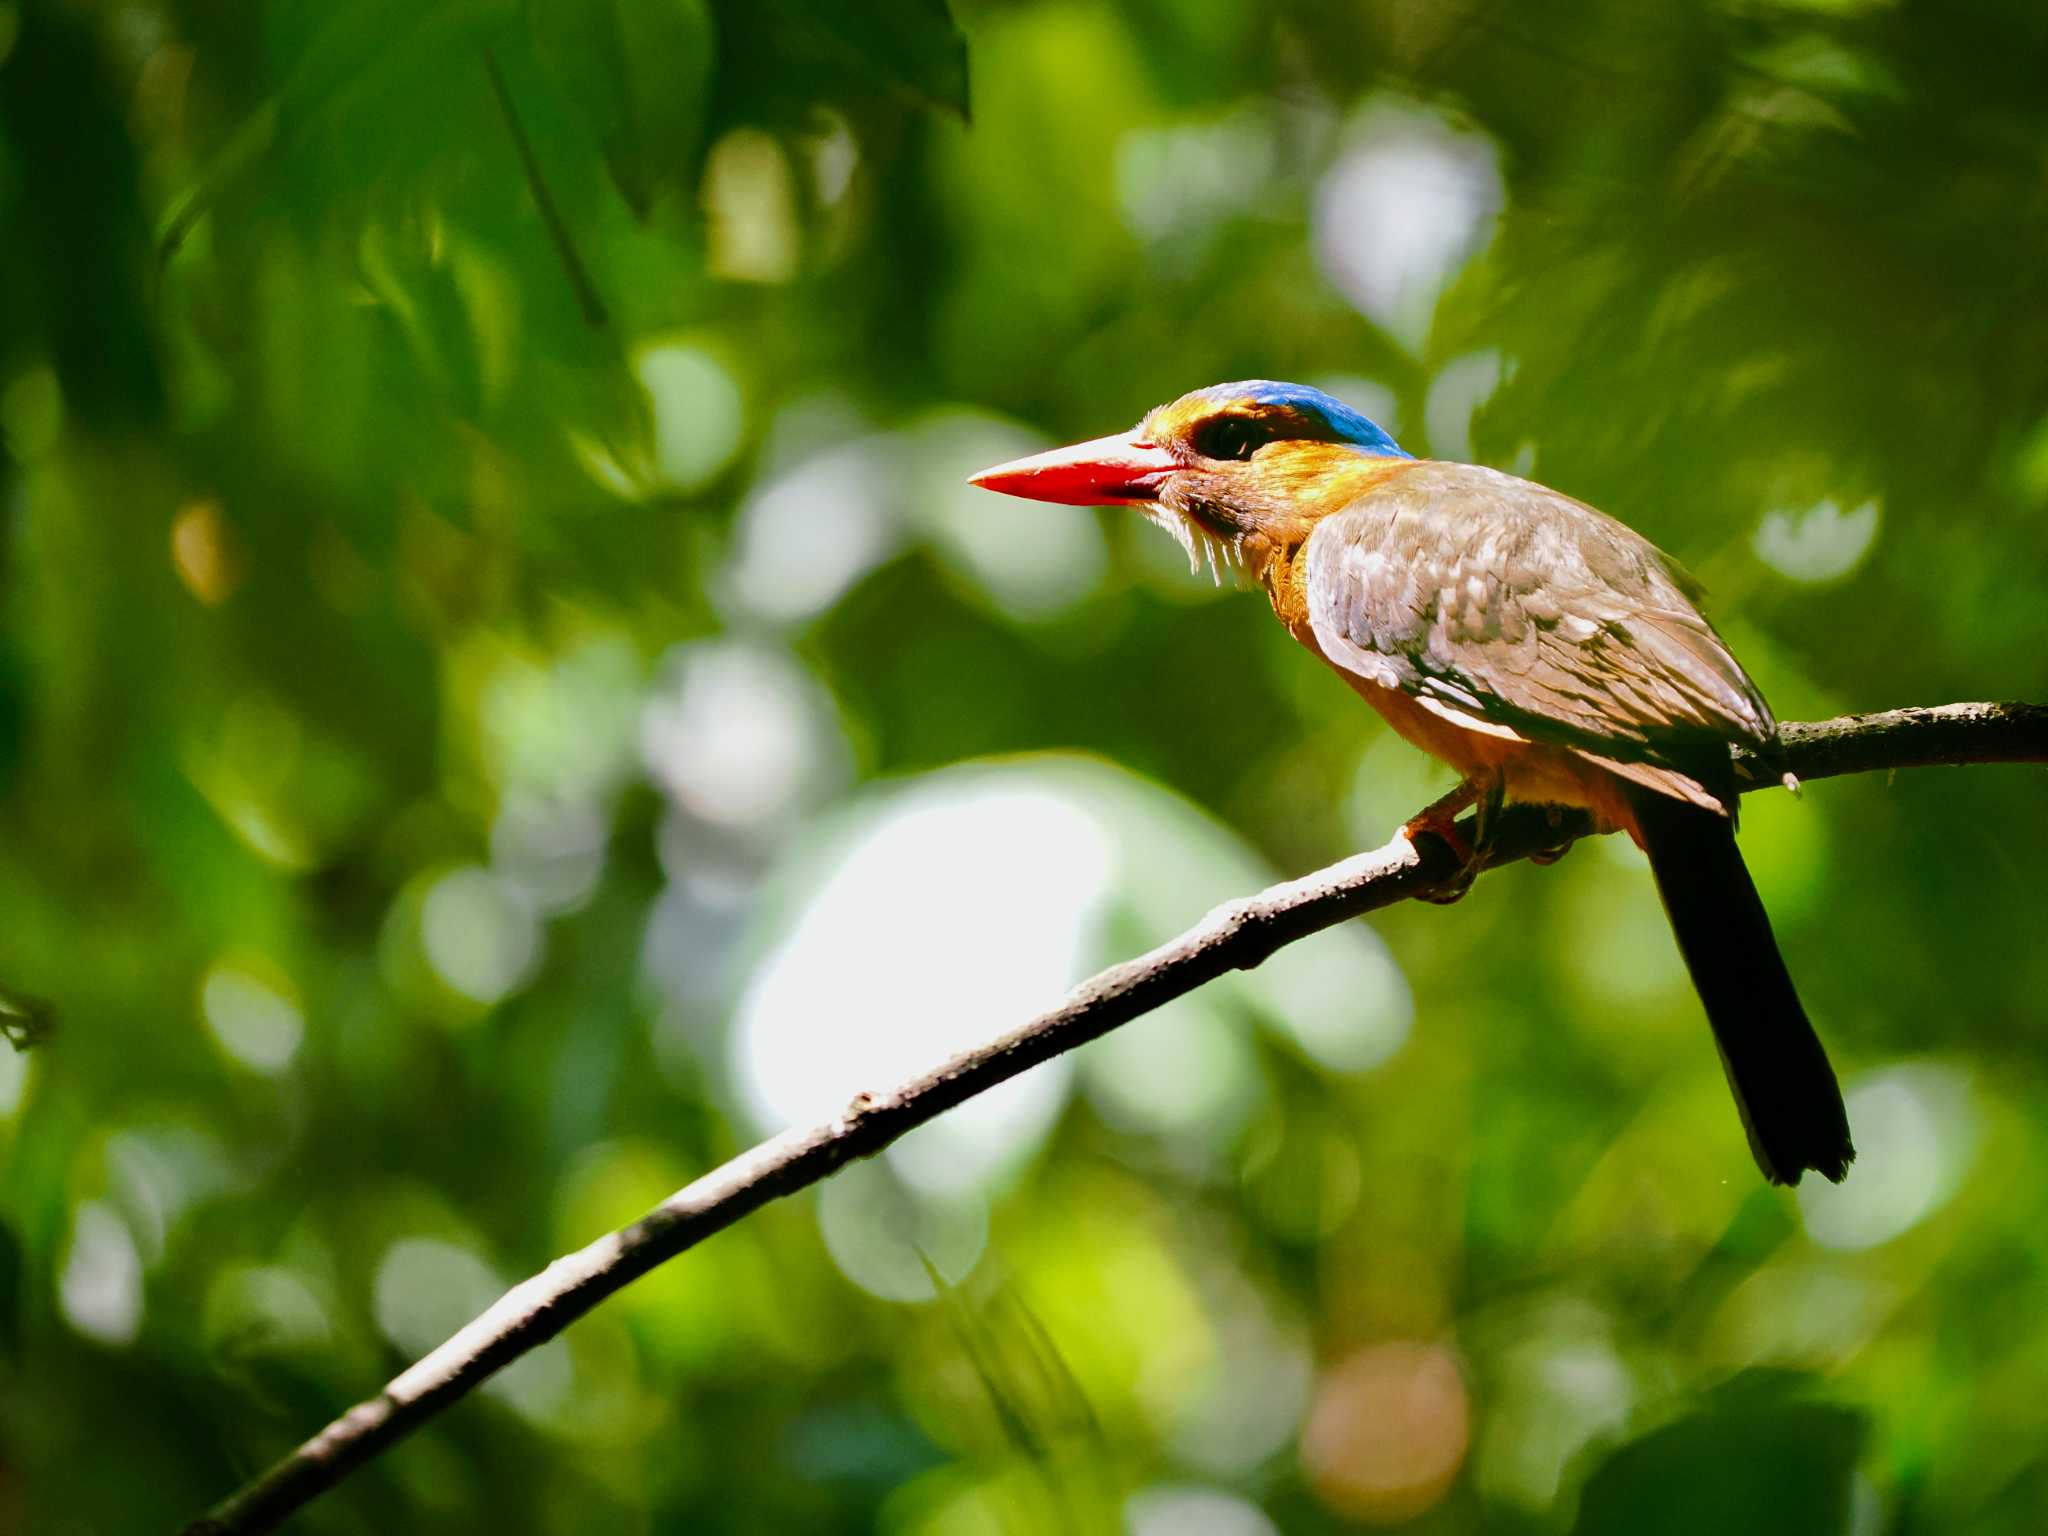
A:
(1545, 651)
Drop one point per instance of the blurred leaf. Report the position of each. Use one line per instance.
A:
(1756, 1460)
(448, 299)
(74, 172)
(359, 52)
(983, 1347)
(12, 1259)
(13, 712)
(912, 44)
(1041, 1409)
(25, 1021)
(638, 73)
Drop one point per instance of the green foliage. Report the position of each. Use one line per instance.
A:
(359, 62)
(465, 769)
(909, 44)
(637, 73)
(1750, 1460)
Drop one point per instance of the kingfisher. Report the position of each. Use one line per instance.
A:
(1547, 652)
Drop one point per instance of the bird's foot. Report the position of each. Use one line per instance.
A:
(1444, 829)
(1453, 890)
(1440, 820)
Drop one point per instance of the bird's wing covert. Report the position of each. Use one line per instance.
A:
(1525, 612)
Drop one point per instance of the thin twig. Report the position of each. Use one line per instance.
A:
(1237, 936)
(587, 297)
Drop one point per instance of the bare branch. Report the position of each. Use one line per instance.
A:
(1918, 738)
(1237, 936)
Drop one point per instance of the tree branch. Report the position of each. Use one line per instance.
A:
(1236, 936)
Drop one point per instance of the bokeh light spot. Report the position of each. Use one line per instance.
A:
(1793, 1312)
(834, 155)
(959, 910)
(1186, 1511)
(253, 1013)
(1371, 396)
(157, 1172)
(1340, 996)
(14, 1074)
(937, 914)
(1243, 1403)
(698, 415)
(1560, 1385)
(1915, 1128)
(202, 553)
(750, 202)
(1820, 545)
(1032, 562)
(427, 1288)
(1461, 386)
(1409, 200)
(887, 1238)
(814, 529)
(1179, 1067)
(100, 1285)
(1388, 1432)
(738, 735)
(563, 725)
(480, 934)
(551, 848)
(1177, 184)
(1393, 782)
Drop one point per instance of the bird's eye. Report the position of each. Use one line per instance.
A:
(1230, 437)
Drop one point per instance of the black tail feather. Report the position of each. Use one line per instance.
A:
(1791, 1105)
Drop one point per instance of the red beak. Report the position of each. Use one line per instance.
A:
(1091, 474)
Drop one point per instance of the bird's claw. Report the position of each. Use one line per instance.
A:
(1444, 829)
(1441, 822)
(1453, 890)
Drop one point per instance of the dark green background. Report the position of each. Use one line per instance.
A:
(427, 715)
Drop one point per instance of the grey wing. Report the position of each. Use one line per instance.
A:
(1516, 610)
